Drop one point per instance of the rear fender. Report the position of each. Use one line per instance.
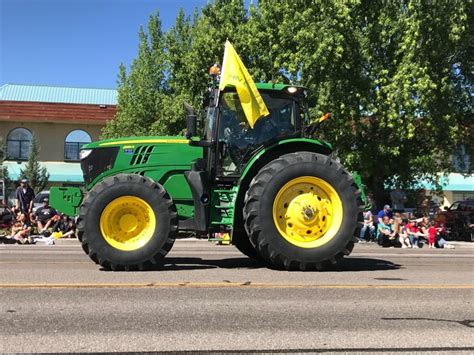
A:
(266, 155)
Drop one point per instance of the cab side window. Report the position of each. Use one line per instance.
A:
(238, 141)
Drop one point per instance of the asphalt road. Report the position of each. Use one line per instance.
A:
(210, 298)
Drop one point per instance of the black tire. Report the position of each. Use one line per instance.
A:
(241, 241)
(258, 212)
(103, 253)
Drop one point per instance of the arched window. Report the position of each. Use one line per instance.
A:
(19, 143)
(74, 141)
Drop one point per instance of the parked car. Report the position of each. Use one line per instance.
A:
(459, 220)
(38, 201)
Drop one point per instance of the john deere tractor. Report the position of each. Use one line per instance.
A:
(273, 188)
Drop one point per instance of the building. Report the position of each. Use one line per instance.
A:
(456, 187)
(61, 118)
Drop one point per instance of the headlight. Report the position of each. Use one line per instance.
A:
(84, 153)
(292, 89)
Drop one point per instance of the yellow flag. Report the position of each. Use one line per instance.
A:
(234, 73)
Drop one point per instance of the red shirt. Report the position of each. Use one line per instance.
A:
(412, 228)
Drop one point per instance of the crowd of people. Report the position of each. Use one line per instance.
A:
(387, 228)
(390, 229)
(26, 225)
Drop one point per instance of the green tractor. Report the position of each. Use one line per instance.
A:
(274, 188)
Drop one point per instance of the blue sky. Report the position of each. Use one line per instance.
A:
(75, 42)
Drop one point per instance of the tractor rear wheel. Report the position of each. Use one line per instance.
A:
(127, 222)
(241, 241)
(301, 211)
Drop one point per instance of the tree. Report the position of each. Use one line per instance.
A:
(397, 76)
(36, 175)
(173, 68)
(141, 92)
(4, 173)
(393, 74)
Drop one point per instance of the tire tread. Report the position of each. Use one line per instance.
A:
(159, 255)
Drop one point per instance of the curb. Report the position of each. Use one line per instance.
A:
(72, 241)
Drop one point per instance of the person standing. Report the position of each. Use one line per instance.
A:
(432, 230)
(24, 195)
(398, 198)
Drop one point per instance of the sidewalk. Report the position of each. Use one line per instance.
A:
(463, 245)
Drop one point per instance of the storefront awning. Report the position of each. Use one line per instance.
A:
(58, 171)
(454, 182)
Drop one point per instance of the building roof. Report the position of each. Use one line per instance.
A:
(57, 94)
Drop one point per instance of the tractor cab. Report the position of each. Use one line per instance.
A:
(234, 149)
(233, 142)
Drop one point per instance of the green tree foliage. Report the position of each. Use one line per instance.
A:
(2, 158)
(172, 68)
(397, 75)
(9, 185)
(142, 91)
(36, 175)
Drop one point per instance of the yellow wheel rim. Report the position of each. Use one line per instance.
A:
(307, 212)
(127, 223)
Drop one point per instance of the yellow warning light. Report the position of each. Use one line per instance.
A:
(214, 70)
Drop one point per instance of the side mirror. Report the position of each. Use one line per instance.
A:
(190, 121)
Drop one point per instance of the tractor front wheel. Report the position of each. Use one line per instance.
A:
(301, 211)
(127, 222)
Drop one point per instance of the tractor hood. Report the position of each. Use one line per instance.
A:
(136, 155)
(136, 140)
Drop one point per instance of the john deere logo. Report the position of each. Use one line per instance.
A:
(128, 149)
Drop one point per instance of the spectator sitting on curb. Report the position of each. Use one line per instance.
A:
(7, 217)
(387, 237)
(403, 234)
(387, 211)
(66, 227)
(414, 233)
(440, 241)
(21, 230)
(368, 224)
(44, 216)
(424, 225)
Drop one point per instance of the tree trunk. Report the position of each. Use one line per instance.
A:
(378, 190)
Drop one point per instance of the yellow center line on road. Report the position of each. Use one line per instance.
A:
(222, 285)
